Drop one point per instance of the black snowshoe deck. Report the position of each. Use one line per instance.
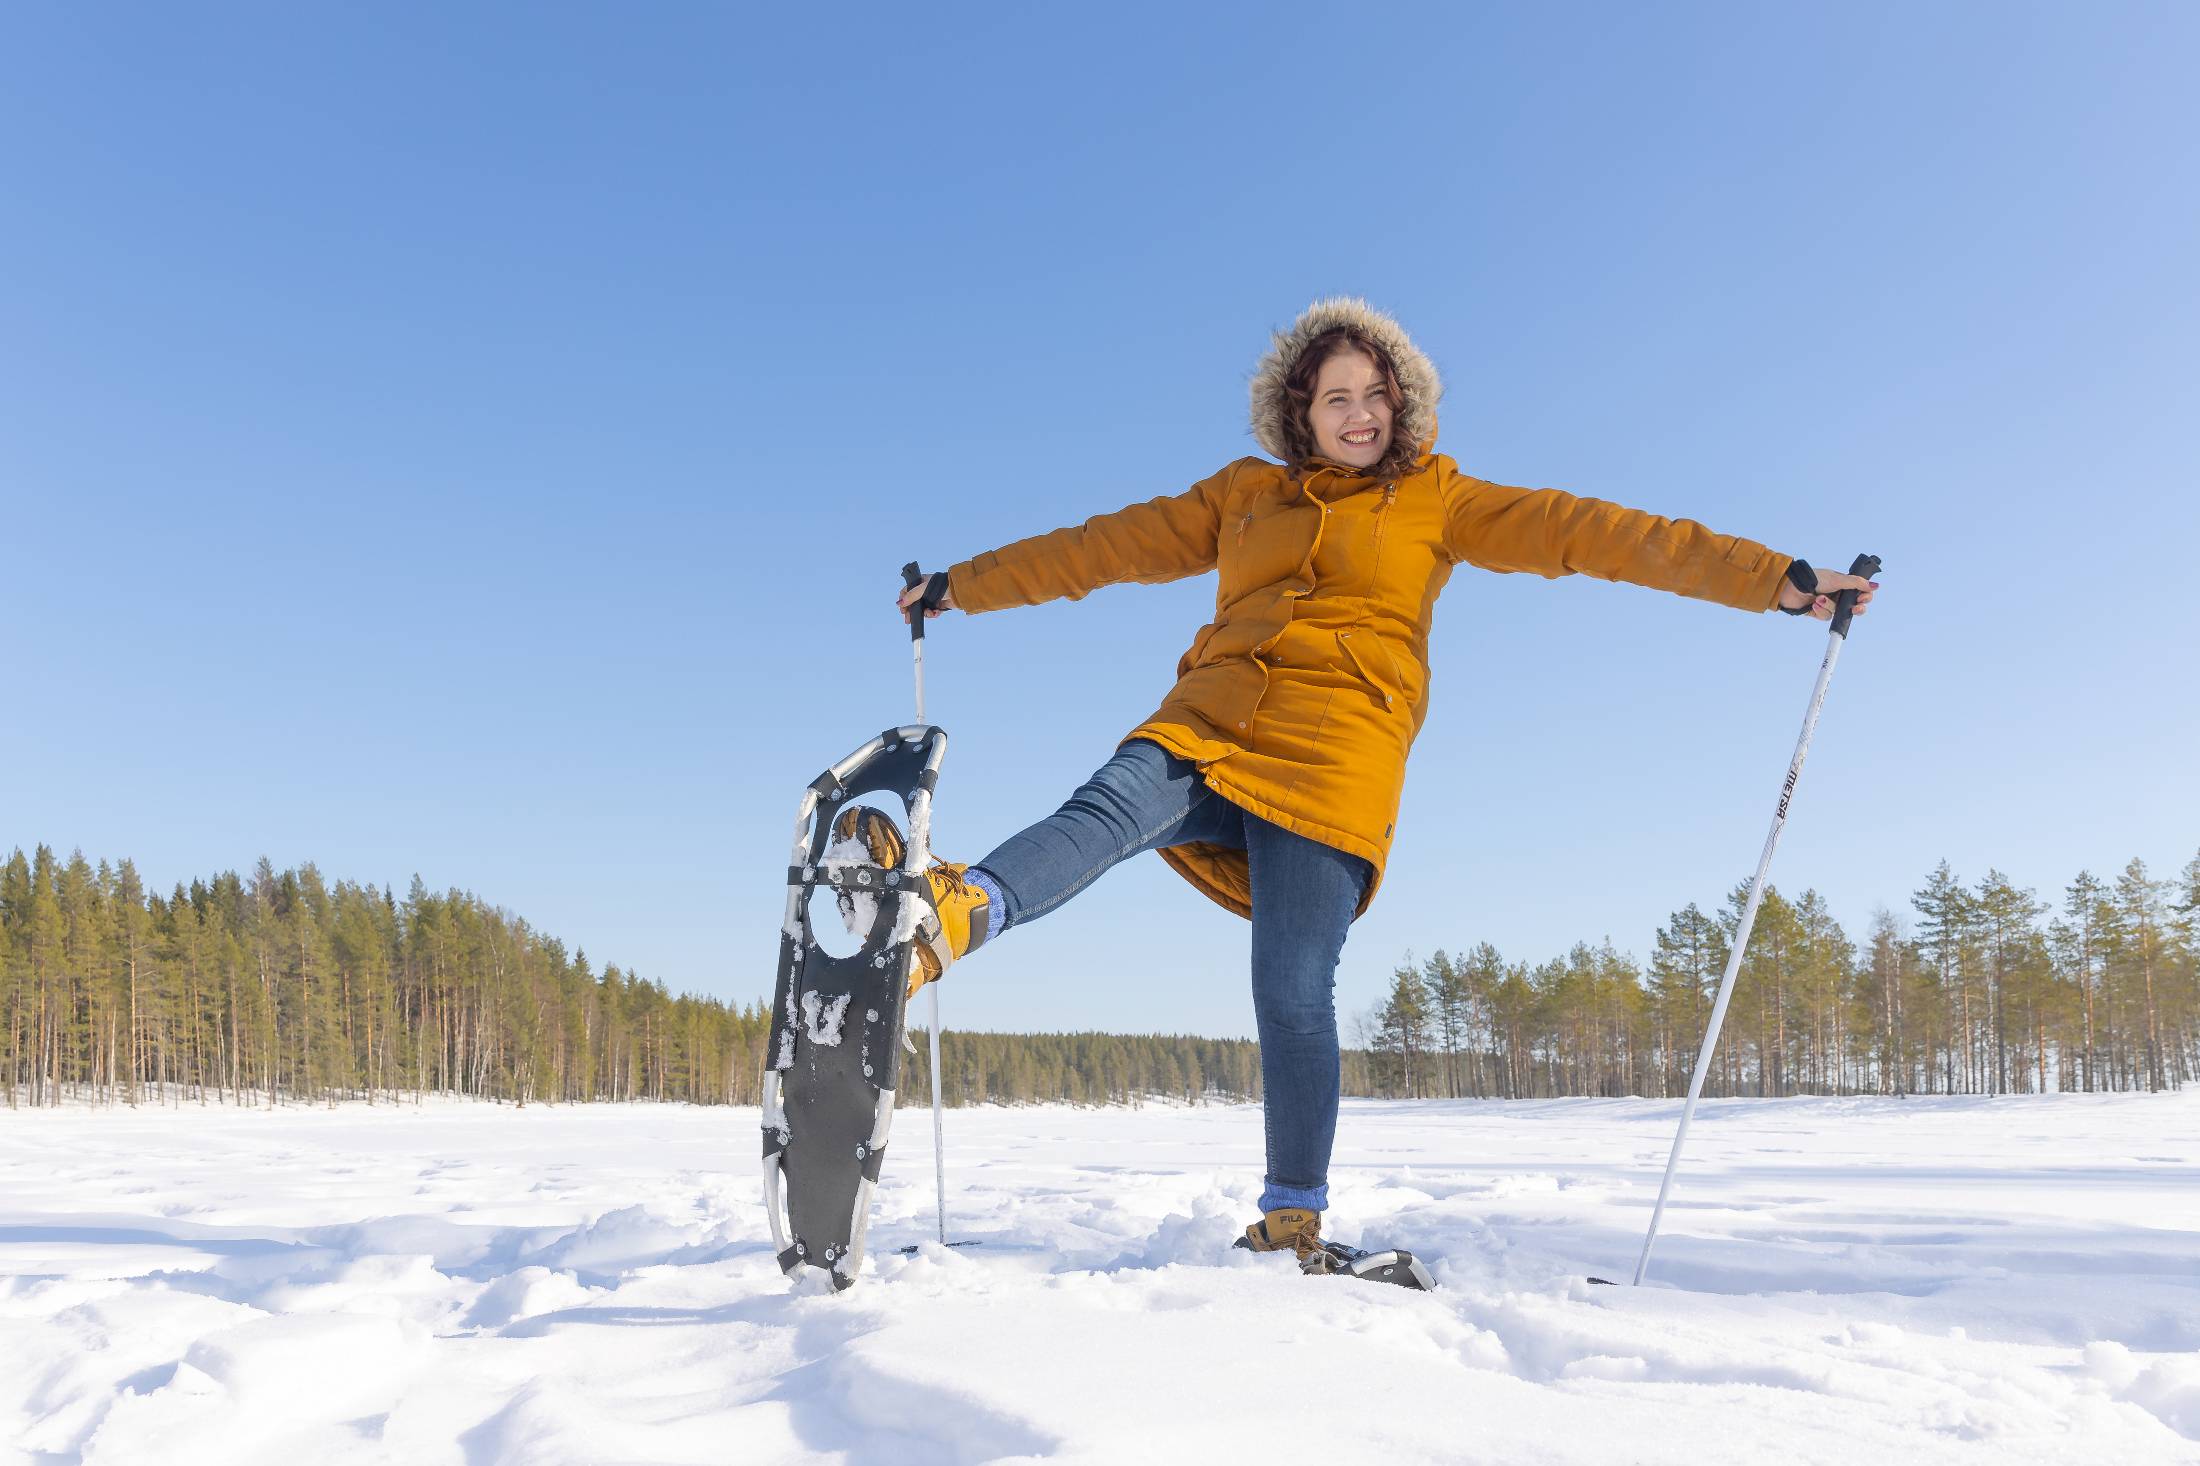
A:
(834, 1058)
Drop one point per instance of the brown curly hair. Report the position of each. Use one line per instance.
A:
(1298, 391)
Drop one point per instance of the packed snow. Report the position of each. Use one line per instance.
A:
(821, 1020)
(1840, 1281)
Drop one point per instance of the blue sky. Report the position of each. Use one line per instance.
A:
(481, 443)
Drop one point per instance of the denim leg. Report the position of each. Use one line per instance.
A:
(1304, 896)
(1141, 799)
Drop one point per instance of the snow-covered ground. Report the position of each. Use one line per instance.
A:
(1855, 1281)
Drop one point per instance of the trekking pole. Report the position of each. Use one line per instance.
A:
(1844, 608)
(934, 587)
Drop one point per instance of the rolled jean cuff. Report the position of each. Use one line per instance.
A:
(1275, 1198)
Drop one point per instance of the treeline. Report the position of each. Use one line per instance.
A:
(1082, 1068)
(282, 986)
(1988, 991)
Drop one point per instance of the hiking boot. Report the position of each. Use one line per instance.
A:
(864, 830)
(1295, 1230)
(956, 924)
(961, 915)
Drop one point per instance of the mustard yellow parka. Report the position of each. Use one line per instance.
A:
(1300, 700)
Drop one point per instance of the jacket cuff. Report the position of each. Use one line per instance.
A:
(1772, 573)
(966, 582)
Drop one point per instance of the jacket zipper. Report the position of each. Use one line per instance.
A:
(1344, 638)
(1382, 523)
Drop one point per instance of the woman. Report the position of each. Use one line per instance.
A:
(1270, 776)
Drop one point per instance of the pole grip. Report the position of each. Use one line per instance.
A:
(1844, 604)
(911, 577)
(935, 591)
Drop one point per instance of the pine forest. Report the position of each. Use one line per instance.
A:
(281, 987)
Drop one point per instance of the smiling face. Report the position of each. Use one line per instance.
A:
(1351, 412)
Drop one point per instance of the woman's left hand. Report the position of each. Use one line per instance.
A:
(1830, 584)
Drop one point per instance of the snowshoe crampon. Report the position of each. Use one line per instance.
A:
(835, 1049)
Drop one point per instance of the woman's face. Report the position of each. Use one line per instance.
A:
(1350, 413)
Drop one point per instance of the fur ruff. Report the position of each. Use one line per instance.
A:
(1417, 377)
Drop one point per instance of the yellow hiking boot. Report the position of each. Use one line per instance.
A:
(1289, 1229)
(959, 917)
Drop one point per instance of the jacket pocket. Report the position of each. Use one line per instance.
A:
(1384, 691)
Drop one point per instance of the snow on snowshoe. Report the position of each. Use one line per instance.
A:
(834, 1054)
(956, 925)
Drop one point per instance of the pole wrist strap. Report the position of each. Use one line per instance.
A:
(1804, 579)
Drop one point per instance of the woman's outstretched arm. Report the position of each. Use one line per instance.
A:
(1552, 533)
(1162, 539)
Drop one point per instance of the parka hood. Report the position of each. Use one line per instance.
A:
(1417, 377)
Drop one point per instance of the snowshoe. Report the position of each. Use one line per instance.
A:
(1298, 1231)
(834, 1054)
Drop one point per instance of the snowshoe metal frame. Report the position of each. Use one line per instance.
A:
(1390, 1266)
(835, 1049)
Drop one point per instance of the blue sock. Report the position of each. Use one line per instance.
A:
(1275, 1198)
(996, 909)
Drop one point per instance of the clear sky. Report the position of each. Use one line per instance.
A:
(480, 441)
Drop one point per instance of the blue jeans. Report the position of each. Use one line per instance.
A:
(1304, 896)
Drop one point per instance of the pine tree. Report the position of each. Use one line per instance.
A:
(2003, 916)
(1887, 981)
(2137, 934)
(1451, 1005)
(1946, 933)
(1824, 962)
(2185, 929)
(1687, 958)
(1480, 973)
(1402, 1025)
(2085, 902)
(130, 940)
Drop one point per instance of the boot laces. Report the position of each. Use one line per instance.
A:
(1307, 1243)
(1307, 1246)
(954, 878)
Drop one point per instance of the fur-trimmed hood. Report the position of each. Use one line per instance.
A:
(1417, 377)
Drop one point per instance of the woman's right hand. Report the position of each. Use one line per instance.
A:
(910, 595)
